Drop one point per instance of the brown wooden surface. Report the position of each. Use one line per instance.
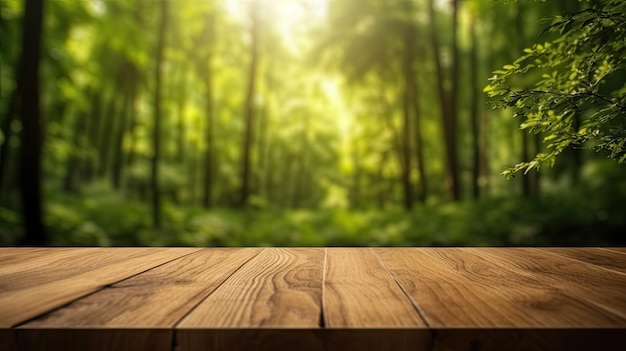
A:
(608, 259)
(278, 288)
(312, 299)
(33, 287)
(360, 293)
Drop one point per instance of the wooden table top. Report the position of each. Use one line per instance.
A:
(312, 298)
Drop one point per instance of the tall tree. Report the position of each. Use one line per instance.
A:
(32, 131)
(474, 109)
(250, 104)
(413, 96)
(447, 98)
(208, 86)
(158, 94)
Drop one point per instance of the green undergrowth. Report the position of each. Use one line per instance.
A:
(112, 220)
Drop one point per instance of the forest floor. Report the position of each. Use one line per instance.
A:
(572, 219)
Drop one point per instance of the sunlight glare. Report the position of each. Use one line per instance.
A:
(289, 17)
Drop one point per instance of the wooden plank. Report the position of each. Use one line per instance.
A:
(158, 298)
(359, 292)
(457, 288)
(603, 289)
(277, 288)
(15, 255)
(616, 249)
(608, 259)
(33, 289)
(529, 339)
(18, 260)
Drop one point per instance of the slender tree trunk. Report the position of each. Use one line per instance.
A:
(397, 142)
(413, 83)
(106, 140)
(32, 131)
(208, 153)
(250, 108)
(94, 133)
(447, 101)
(474, 111)
(180, 123)
(406, 131)
(356, 180)
(118, 156)
(6, 134)
(74, 164)
(154, 174)
(132, 124)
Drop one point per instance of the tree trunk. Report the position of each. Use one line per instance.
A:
(406, 132)
(74, 164)
(474, 111)
(154, 174)
(250, 108)
(413, 84)
(106, 140)
(6, 135)
(118, 147)
(447, 101)
(32, 131)
(208, 153)
(94, 132)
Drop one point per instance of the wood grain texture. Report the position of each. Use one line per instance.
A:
(95, 339)
(313, 299)
(616, 249)
(359, 292)
(31, 289)
(608, 259)
(457, 288)
(277, 288)
(600, 288)
(158, 298)
(15, 255)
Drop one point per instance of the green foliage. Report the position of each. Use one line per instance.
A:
(591, 215)
(579, 101)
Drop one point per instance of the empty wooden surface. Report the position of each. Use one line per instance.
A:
(188, 299)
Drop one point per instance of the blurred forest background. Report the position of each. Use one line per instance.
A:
(286, 123)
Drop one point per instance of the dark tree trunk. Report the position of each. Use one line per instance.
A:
(132, 124)
(74, 164)
(90, 167)
(32, 131)
(208, 153)
(447, 101)
(474, 112)
(250, 108)
(128, 82)
(406, 132)
(413, 84)
(387, 113)
(7, 134)
(154, 171)
(118, 152)
(106, 140)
